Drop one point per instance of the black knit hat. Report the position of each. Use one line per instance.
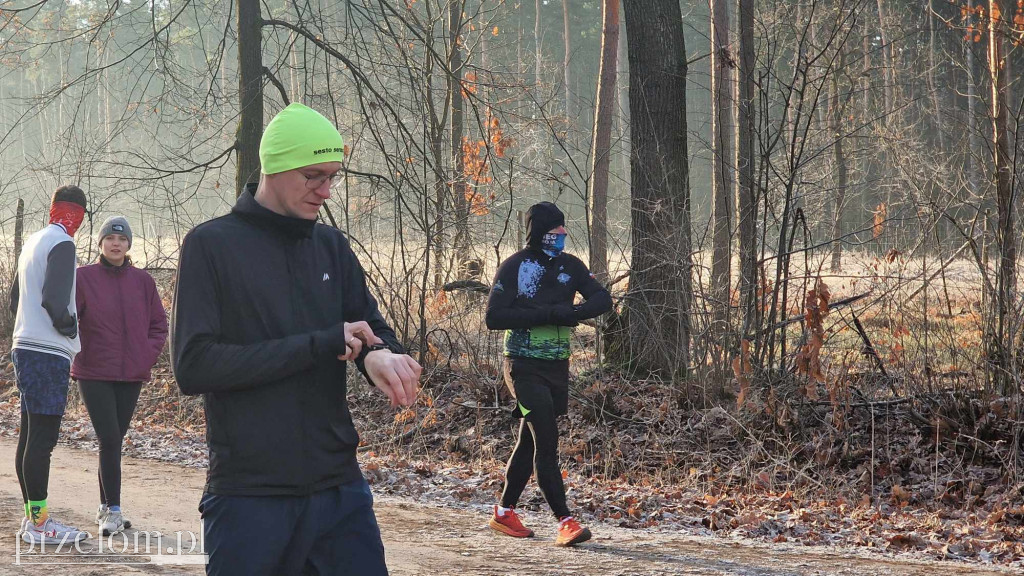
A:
(540, 219)
(70, 193)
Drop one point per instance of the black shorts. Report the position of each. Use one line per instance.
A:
(537, 384)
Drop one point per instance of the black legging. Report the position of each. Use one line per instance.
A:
(537, 447)
(111, 406)
(36, 439)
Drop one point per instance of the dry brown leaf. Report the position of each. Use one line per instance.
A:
(808, 359)
(906, 541)
(881, 212)
(900, 494)
(1002, 407)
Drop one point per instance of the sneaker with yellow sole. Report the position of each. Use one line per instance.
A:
(571, 533)
(509, 524)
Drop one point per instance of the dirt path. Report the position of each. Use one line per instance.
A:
(426, 540)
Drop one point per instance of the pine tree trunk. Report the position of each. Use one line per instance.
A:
(622, 106)
(623, 78)
(887, 58)
(250, 94)
(600, 155)
(932, 87)
(440, 193)
(461, 244)
(1002, 164)
(19, 232)
(721, 181)
(293, 77)
(973, 139)
(839, 157)
(746, 196)
(536, 44)
(565, 62)
(867, 166)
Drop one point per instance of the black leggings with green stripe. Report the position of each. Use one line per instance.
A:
(541, 389)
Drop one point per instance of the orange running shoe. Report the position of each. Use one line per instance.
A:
(571, 533)
(509, 524)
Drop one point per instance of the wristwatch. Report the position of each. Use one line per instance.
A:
(375, 347)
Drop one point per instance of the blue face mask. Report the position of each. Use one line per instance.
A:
(553, 244)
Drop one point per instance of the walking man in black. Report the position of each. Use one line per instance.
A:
(532, 299)
(269, 308)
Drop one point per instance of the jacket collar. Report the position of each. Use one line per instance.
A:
(540, 254)
(108, 266)
(247, 207)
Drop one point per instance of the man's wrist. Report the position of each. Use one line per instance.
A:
(367, 350)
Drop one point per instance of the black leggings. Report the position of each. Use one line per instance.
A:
(541, 387)
(111, 406)
(36, 439)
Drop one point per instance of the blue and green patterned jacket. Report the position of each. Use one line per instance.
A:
(532, 300)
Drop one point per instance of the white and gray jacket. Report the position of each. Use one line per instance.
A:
(43, 297)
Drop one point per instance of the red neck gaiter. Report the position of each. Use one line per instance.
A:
(67, 214)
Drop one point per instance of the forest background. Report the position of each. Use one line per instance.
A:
(806, 211)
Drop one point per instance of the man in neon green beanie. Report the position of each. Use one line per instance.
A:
(301, 154)
(269, 309)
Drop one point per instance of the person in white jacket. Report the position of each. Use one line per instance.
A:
(45, 343)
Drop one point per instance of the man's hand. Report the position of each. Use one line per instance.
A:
(357, 334)
(397, 375)
(68, 325)
(564, 315)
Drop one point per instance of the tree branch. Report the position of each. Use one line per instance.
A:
(277, 83)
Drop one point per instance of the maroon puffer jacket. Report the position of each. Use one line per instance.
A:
(121, 322)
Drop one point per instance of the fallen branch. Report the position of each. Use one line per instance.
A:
(869, 348)
(832, 306)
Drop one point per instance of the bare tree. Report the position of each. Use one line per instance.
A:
(657, 308)
(568, 54)
(456, 89)
(837, 109)
(250, 93)
(973, 146)
(19, 231)
(537, 77)
(746, 194)
(887, 57)
(1002, 164)
(932, 86)
(722, 165)
(600, 155)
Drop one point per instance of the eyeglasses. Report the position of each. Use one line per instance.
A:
(314, 182)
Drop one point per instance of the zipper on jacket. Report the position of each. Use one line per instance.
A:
(118, 278)
(292, 252)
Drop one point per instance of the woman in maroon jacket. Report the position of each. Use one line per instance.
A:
(123, 328)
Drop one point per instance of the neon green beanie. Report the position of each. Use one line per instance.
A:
(299, 136)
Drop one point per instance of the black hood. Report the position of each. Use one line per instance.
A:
(540, 219)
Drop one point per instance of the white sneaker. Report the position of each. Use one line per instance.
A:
(101, 513)
(52, 532)
(113, 523)
(24, 525)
